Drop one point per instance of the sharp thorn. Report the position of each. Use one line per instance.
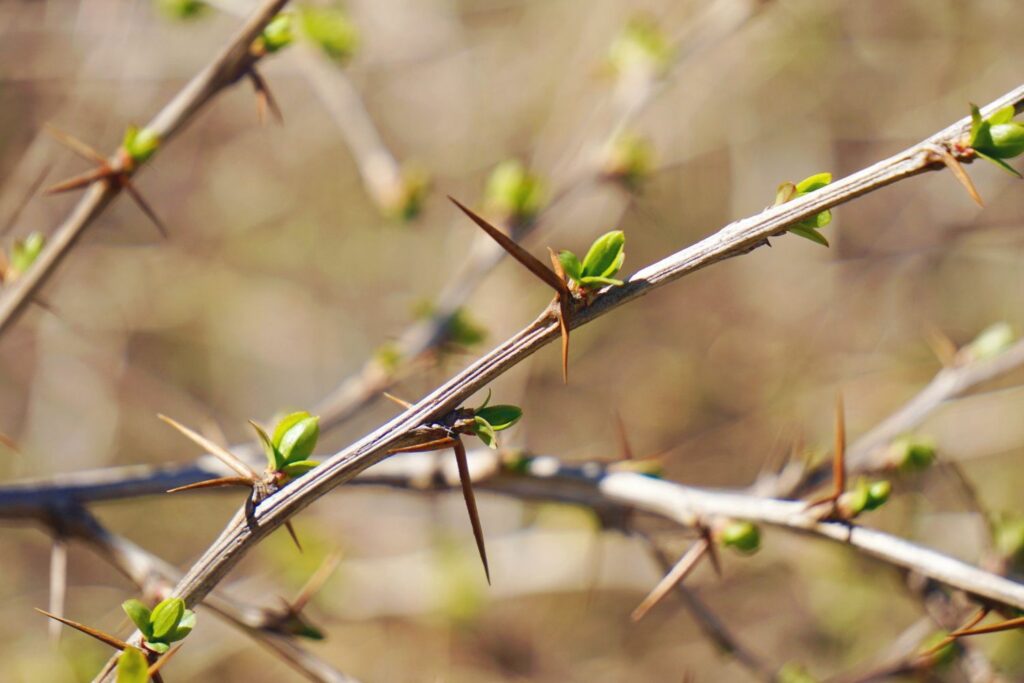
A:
(110, 640)
(394, 399)
(291, 532)
(213, 483)
(467, 493)
(74, 144)
(531, 262)
(134, 193)
(221, 453)
(679, 572)
(960, 174)
(80, 181)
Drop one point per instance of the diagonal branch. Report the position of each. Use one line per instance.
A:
(233, 62)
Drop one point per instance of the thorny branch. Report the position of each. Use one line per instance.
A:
(231, 64)
(734, 239)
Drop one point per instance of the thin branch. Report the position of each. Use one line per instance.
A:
(227, 67)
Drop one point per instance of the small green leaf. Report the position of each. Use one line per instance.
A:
(158, 646)
(570, 264)
(596, 282)
(785, 192)
(298, 468)
(295, 436)
(1007, 139)
(26, 251)
(514, 192)
(165, 617)
(1000, 163)
(991, 342)
(500, 417)
(912, 452)
(485, 432)
(810, 234)
(140, 144)
(1004, 115)
(605, 256)
(332, 30)
(278, 33)
(878, 494)
(185, 626)
(275, 461)
(140, 616)
(132, 666)
(814, 182)
(742, 536)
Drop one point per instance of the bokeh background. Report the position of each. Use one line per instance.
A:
(281, 277)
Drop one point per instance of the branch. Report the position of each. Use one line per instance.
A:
(734, 239)
(155, 577)
(232, 63)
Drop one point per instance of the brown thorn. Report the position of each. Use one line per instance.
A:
(716, 561)
(838, 459)
(1007, 625)
(954, 165)
(315, 582)
(213, 483)
(74, 144)
(531, 262)
(134, 193)
(679, 572)
(563, 326)
(291, 532)
(467, 494)
(110, 640)
(264, 99)
(154, 668)
(394, 399)
(33, 188)
(433, 445)
(941, 345)
(81, 180)
(221, 453)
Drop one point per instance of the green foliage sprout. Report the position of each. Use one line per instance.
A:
(132, 666)
(140, 144)
(292, 443)
(166, 623)
(278, 34)
(332, 30)
(742, 536)
(808, 229)
(641, 47)
(602, 262)
(515, 193)
(489, 420)
(997, 137)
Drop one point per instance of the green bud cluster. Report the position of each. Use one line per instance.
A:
(808, 228)
(997, 137)
(489, 420)
(331, 29)
(740, 535)
(166, 623)
(602, 262)
(292, 443)
(514, 193)
(140, 144)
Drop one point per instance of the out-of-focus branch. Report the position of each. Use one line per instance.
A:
(233, 62)
(155, 578)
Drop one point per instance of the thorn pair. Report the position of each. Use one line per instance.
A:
(971, 628)
(555, 279)
(117, 643)
(261, 485)
(119, 174)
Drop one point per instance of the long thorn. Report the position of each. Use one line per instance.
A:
(838, 459)
(532, 263)
(1007, 625)
(625, 451)
(134, 193)
(80, 180)
(563, 327)
(679, 572)
(213, 483)
(74, 144)
(291, 532)
(434, 445)
(394, 399)
(154, 669)
(958, 171)
(467, 494)
(264, 99)
(110, 640)
(221, 453)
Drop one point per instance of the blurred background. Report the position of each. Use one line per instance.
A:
(298, 252)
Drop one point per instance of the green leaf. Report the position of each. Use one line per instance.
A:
(976, 123)
(1007, 139)
(275, 461)
(514, 192)
(1004, 115)
(26, 251)
(332, 30)
(1000, 163)
(295, 436)
(593, 282)
(278, 33)
(571, 264)
(140, 616)
(140, 144)
(485, 432)
(814, 182)
(500, 417)
(878, 494)
(810, 234)
(165, 617)
(298, 468)
(158, 646)
(185, 626)
(742, 536)
(785, 192)
(132, 666)
(605, 255)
